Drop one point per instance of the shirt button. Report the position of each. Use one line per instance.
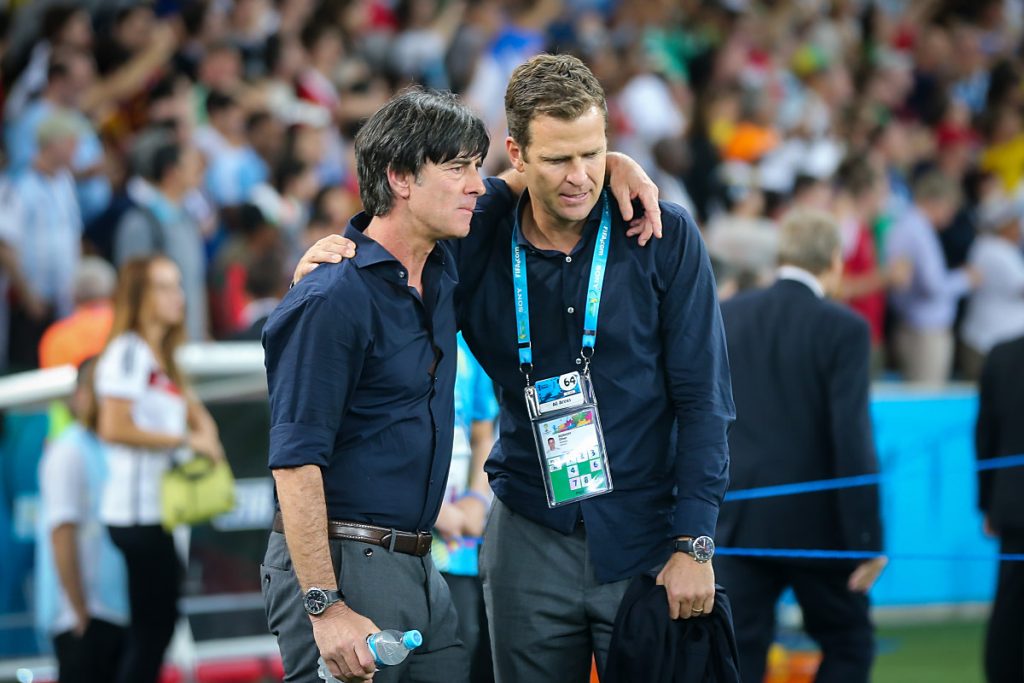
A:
(568, 259)
(570, 310)
(401, 273)
(579, 361)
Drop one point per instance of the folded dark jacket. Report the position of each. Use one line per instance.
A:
(649, 647)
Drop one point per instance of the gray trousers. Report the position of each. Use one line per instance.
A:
(396, 591)
(547, 613)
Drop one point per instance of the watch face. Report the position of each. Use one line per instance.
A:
(315, 601)
(703, 548)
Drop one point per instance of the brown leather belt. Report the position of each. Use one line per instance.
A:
(404, 542)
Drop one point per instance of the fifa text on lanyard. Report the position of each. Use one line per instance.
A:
(563, 410)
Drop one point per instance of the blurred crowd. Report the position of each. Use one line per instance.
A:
(219, 133)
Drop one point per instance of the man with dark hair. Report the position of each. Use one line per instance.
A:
(361, 360)
(564, 537)
(235, 168)
(159, 223)
(800, 377)
(860, 193)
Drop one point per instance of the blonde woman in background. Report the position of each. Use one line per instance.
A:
(148, 417)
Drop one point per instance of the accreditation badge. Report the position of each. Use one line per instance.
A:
(570, 443)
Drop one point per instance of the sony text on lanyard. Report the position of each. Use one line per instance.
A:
(563, 410)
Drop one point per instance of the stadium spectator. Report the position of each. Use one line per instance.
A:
(251, 237)
(233, 168)
(41, 225)
(927, 305)
(69, 79)
(147, 417)
(860, 194)
(995, 310)
(266, 283)
(83, 334)
(63, 25)
(160, 223)
(81, 580)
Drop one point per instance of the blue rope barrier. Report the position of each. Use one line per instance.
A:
(803, 487)
(850, 482)
(860, 555)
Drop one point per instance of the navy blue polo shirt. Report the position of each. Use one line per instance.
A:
(361, 374)
(660, 371)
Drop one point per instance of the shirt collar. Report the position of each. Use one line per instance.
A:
(589, 226)
(369, 252)
(802, 276)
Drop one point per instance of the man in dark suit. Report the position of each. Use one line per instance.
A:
(1000, 432)
(801, 385)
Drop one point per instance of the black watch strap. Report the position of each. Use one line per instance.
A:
(683, 546)
(316, 600)
(702, 548)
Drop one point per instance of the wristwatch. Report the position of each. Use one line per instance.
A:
(317, 600)
(702, 548)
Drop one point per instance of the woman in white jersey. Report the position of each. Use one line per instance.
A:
(147, 416)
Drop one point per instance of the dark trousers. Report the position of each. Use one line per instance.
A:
(91, 658)
(468, 598)
(1004, 643)
(549, 617)
(154, 585)
(837, 619)
(391, 589)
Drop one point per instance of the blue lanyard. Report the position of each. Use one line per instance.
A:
(593, 304)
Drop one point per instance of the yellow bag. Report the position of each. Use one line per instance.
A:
(196, 492)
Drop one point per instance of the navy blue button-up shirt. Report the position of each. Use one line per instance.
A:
(361, 373)
(660, 371)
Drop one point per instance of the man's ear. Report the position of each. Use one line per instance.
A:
(516, 154)
(400, 182)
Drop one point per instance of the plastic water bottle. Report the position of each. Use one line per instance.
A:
(323, 672)
(387, 647)
(392, 647)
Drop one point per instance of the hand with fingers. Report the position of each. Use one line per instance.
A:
(690, 586)
(330, 249)
(866, 573)
(340, 634)
(628, 181)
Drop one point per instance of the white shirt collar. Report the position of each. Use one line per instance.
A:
(801, 275)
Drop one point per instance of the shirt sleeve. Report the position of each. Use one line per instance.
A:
(21, 141)
(62, 484)
(697, 369)
(124, 369)
(314, 357)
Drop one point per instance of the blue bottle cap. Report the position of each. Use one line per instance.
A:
(412, 639)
